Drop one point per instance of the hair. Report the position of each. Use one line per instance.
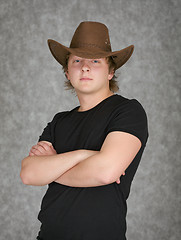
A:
(113, 84)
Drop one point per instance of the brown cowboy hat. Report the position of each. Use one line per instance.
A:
(90, 40)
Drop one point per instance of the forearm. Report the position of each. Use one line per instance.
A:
(42, 170)
(89, 173)
(106, 167)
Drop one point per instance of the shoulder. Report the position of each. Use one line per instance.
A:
(58, 116)
(130, 105)
(137, 107)
(129, 115)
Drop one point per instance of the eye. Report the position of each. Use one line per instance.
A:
(95, 61)
(77, 60)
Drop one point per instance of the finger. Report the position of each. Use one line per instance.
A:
(35, 151)
(31, 154)
(39, 148)
(49, 143)
(48, 147)
(32, 149)
(52, 148)
(118, 180)
(44, 145)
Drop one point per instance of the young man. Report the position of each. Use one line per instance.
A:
(88, 155)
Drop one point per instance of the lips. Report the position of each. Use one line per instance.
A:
(85, 79)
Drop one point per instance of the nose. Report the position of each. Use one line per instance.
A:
(85, 67)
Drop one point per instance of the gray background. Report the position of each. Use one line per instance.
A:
(32, 92)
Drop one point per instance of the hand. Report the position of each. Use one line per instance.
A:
(118, 180)
(42, 148)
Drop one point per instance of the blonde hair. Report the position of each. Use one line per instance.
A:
(113, 84)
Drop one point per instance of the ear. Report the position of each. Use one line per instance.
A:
(110, 75)
(67, 74)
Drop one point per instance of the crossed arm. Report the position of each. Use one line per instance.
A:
(81, 168)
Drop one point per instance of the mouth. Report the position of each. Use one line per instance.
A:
(85, 79)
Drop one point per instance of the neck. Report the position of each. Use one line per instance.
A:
(88, 101)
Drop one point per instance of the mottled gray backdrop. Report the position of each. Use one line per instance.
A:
(32, 92)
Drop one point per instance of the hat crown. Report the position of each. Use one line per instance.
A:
(91, 35)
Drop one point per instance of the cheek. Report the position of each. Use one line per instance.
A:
(104, 72)
(69, 72)
(73, 69)
(73, 73)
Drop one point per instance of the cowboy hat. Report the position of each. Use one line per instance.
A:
(90, 40)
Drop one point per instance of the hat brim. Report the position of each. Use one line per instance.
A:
(60, 52)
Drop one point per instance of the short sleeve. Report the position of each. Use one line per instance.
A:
(47, 134)
(131, 118)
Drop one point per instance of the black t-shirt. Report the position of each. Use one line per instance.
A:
(91, 213)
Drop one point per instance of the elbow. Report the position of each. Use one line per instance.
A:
(108, 181)
(29, 176)
(28, 180)
(108, 178)
(24, 178)
(25, 173)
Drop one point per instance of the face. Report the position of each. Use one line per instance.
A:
(88, 75)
